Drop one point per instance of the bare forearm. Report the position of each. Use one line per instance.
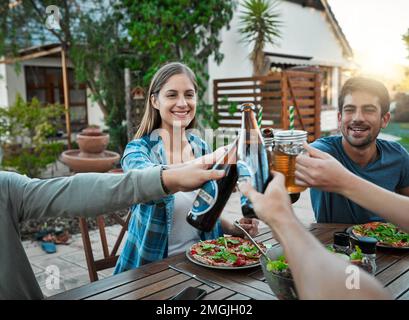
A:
(389, 205)
(318, 274)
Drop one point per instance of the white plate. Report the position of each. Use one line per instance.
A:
(189, 256)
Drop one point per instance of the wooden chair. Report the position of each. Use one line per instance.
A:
(110, 258)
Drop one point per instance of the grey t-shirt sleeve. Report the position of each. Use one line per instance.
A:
(86, 194)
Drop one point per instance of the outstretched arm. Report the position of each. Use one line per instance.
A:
(317, 274)
(321, 170)
(92, 194)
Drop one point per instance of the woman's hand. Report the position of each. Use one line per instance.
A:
(250, 225)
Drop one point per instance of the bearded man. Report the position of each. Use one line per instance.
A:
(363, 109)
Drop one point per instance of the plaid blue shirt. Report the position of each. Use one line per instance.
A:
(151, 222)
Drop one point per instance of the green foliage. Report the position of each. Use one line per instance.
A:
(278, 265)
(260, 24)
(25, 128)
(173, 30)
(90, 30)
(104, 37)
(97, 51)
(232, 107)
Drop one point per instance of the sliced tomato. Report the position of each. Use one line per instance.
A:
(239, 262)
(192, 252)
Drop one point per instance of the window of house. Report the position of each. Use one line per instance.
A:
(45, 83)
(326, 86)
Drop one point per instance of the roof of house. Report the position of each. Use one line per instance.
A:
(49, 50)
(323, 5)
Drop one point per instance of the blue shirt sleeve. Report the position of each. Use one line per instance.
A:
(137, 155)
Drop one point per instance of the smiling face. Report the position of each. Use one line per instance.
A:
(361, 120)
(176, 102)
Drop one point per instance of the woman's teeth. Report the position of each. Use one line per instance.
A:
(180, 113)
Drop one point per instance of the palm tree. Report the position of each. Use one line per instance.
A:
(260, 24)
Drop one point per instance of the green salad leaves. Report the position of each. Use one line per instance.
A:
(278, 265)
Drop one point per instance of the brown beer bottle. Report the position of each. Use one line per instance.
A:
(213, 195)
(252, 160)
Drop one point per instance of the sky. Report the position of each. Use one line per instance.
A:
(374, 30)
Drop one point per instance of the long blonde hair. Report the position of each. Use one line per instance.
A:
(151, 119)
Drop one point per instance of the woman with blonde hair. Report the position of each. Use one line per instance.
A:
(159, 228)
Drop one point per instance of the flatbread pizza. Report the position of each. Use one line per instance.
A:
(226, 251)
(387, 234)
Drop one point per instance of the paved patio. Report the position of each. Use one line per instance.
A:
(70, 259)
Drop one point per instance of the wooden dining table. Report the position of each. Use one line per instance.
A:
(158, 281)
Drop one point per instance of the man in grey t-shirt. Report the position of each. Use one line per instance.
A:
(88, 194)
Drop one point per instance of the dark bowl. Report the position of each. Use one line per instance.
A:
(283, 288)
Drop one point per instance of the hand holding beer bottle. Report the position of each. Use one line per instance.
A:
(252, 160)
(213, 195)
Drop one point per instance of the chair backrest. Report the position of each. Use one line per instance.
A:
(110, 258)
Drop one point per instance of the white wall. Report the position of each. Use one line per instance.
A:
(15, 83)
(3, 86)
(305, 32)
(95, 115)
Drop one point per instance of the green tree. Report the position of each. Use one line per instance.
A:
(104, 37)
(25, 128)
(259, 24)
(89, 30)
(177, 30)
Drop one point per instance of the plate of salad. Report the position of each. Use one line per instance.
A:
(226, 252)
(387, 234)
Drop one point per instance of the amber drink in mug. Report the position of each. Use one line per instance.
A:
(288, 144)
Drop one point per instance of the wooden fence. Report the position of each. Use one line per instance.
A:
(275, 93)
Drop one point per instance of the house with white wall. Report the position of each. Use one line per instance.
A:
(39, 74)
(310, 37)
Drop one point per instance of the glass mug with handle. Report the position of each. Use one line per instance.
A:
(282, 149)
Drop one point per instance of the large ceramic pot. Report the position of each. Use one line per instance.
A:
(93, 143)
